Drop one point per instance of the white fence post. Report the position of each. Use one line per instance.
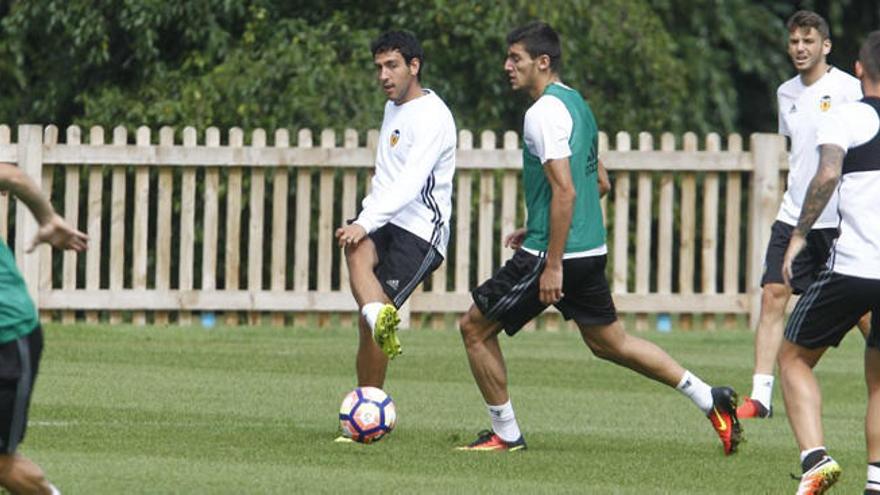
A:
(767, 150)
(30, 160)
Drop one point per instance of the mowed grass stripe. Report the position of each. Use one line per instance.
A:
(253, 410)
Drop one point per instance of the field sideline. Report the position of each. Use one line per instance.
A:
(253, 410)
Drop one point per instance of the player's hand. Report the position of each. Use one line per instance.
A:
(795, 245)
(60, 235)
(550, 284)
(350, 235)
(515, 239)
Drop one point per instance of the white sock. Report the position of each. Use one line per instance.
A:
(873, 478)
(696, 390)
(55, 490)
(371, 313)
(762, 389)
(805, 453)
(504, 422)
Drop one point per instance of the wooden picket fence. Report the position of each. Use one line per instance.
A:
(248, 227)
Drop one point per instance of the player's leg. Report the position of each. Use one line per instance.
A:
(506, 301)
(823, 315)
(771, 321)
(362, 260)
(768, 340)
(865, 325)
(589, 303)
(803, 397)
(613, 343)
(872, 417)
(20, 475)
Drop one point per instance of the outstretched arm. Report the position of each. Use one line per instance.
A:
(53, 228)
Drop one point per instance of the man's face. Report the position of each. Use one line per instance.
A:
(520, 67)
(394, 75)
(807, 48)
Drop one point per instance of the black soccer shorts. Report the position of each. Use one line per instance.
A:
(19, 361)
(511, 295)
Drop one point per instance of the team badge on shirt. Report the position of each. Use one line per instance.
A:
(395, 137)
(825, 103)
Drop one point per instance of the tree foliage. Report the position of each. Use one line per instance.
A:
(651, 65)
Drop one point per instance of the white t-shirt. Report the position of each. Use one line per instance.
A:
(415, 164)
(857, 251)
(800, 109)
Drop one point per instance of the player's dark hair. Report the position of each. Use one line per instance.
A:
(805, 19)
(538, 38)
(402, 41)
(869, 56)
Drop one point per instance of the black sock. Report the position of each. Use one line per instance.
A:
(812, 459)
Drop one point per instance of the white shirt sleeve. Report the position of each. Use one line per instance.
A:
(848, 126)
(428, 145)
(547, 129)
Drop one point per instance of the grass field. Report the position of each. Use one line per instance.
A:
(253, 410)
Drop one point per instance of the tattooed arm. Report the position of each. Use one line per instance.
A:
(821, 189)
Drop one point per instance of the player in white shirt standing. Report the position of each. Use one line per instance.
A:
(803, 100)
(400, 235)
(849, 142)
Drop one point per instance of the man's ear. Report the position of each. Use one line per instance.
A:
(414, 65)
(543, 62)
(826, 47)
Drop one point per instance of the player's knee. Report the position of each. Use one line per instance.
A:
(775, 295)
(19, 475)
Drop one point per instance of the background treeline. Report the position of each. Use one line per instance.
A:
(655, 65)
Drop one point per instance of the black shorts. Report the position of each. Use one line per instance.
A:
(511, 295)
(831, 307)
(405, 259)
(19, 361)
(808, 264)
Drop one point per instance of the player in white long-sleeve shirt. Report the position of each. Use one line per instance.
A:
(400, 235)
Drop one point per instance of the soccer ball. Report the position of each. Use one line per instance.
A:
(367, 414)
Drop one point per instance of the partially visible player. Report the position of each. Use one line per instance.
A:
(561, 254)
(21, 339)
(849, 140)
(400, 235)
(803, 100)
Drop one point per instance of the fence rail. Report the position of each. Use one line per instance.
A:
(178, 225)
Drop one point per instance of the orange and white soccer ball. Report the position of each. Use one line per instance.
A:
(367, 414)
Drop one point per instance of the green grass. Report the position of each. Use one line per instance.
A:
(253, 410)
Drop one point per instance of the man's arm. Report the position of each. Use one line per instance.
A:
(53, 228)
(563, 194)
(821, 189)
(604, 181)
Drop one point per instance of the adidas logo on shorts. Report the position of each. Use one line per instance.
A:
(393, 283)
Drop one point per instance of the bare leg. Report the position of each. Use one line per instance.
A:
(768, 337)
(480, 337)
(800, 389)
(872, 418)
(371, 362)
(611, 342)
(865, 324)
(20, 475)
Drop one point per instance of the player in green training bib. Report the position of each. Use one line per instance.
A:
(561, 254)
(21, 339)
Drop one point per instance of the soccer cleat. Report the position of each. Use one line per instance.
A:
(487, 440)
(343, 439)
(820, 477)
(752, 408)
(724, 419)
(385, 332)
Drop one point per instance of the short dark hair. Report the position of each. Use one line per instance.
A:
(402, 41)
(805, 19)
(869, 56)
(538, 38)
